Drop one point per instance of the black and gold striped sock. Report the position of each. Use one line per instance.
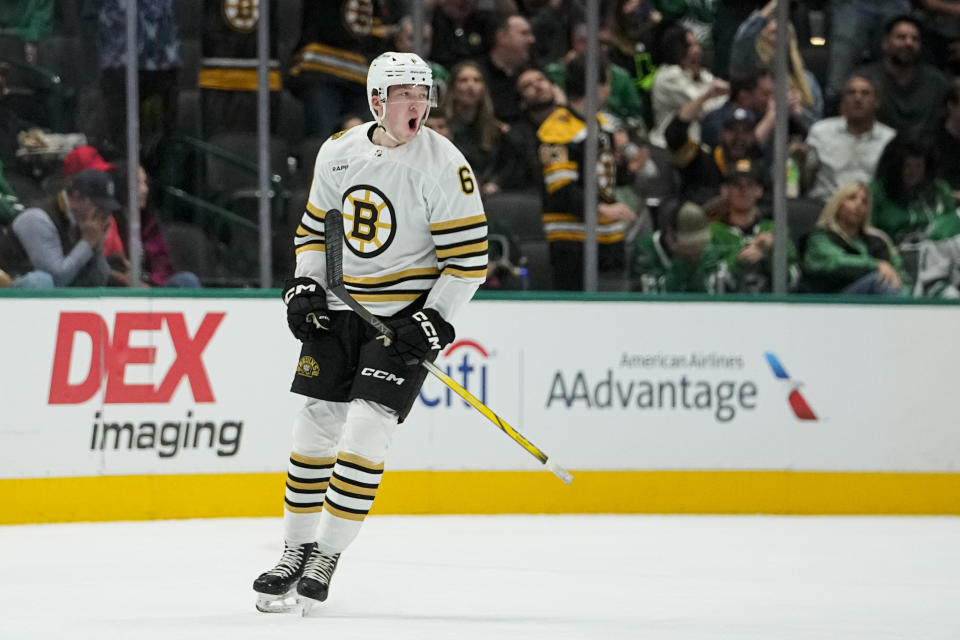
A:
(353, 486)
(307, 482)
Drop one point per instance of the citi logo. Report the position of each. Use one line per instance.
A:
(380, 374)
(466, 362)
(801, 409)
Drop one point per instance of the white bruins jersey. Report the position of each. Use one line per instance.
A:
(413, 222)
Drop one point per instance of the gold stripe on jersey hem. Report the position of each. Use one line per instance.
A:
(235, 80)
(392, 277)
(559, 217)
(386, 296)
(316, 47)
(562, 236)
(311, 246)
(454, 271)
(443, 254)
(561, 166)
(346, 515)
(456, 224)
(315, 211)
(310, 460)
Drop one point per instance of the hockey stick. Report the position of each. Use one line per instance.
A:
(333, 228)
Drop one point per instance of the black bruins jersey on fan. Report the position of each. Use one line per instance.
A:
(562, 136)
(336, 35)
(229, 46)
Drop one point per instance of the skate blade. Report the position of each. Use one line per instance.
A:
(285, 603)
(306, 605)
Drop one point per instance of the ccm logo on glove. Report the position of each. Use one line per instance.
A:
(429, 331)
(298, 288)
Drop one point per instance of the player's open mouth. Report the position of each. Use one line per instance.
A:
(412, 123)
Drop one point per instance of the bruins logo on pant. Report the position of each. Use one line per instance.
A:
(370, 223)
(308, 367)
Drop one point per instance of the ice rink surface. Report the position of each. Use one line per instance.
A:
(493, 577)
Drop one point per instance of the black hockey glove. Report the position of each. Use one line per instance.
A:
(306, 308)
(418, 335)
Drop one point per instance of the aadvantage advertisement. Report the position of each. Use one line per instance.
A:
(96, 387)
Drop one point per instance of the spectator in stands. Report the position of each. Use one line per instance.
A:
(751, 90)
(562, 156)
(509, 55)
(856, 30)
(624, 102)
(947, 139)
(403, 43)
(631, 27)
(329, 70)
(538, 98)
(910, 90)
(906, 194)
(551, 22)
(701, 168)
(156, 267)
(10, 205)
(743, 233)
(846, 148)
(438, 122)
(679, 258)
(228, 76)
(461, 31)
(476, 131)
(31, 21)
(941, 28)
(159, 64)
(845, 254)
(939, 273)
(680, 79)
(754, 46)
(64, 237)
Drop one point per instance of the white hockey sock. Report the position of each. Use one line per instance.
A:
(307, 482)
(353, 486)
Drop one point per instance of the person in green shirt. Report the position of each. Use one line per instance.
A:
(29, 20)
(846, 254)
(624, 101)
(679, 257)
(906, 194)
(743, 234)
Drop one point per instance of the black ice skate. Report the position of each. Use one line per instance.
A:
(315, 582)
(275, 588)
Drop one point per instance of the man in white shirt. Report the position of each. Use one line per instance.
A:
(846, 148)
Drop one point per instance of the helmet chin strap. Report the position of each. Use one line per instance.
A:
(383, 127)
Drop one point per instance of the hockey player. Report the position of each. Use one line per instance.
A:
(415, 253)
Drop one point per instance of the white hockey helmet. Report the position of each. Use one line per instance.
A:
(392, 68)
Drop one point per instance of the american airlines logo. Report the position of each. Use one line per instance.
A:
(798, 403)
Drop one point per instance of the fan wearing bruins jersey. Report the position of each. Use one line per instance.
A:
(562, 138)
(329, 69)
(415, 252)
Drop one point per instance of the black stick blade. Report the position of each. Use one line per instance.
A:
(333, 239)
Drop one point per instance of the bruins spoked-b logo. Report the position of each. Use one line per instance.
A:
(369, 221)
(241, 15)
